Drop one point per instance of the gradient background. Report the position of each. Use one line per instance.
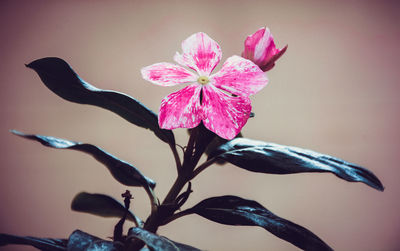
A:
(334, 91)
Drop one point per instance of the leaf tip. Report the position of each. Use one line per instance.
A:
(46, 62)
(377, 184)
(15, 132)
(76, 200)
(31, 65)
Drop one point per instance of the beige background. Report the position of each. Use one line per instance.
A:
(335, 91)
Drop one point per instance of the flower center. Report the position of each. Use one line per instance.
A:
(203, 80)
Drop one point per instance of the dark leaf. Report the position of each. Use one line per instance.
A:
(104, 246)
(232, 210)
(100, 205)
(158, 243)
(44, 244)
(81, 241)
(262, 157)
(216, 143)
(120, 170)
(60, 78)
(184, 247)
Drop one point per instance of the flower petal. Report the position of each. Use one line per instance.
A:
(271, 62)
(166, 74)
(181, 109)
(200, 53)
(265, 46)
(252, 41)
(260, 48)
(223, 114)
(240, 76)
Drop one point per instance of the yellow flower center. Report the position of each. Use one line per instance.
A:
(203, 80)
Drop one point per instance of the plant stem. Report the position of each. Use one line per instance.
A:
(167, 208)
(175, 189)
(202, 167)
(153, 198)
(138, 222)
(164, 213)
(176, 157)
(176, 216)
(188, 155)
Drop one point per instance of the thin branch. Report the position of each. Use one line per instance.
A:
(137, 221)
(202, 167)
(176, 157)
(152, 197)
(176, 216)
(190, 146)
(127, 201)
(182, 198)
(181, 147)
(175, 190)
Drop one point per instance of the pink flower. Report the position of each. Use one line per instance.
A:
(205, 98)
(260, 48)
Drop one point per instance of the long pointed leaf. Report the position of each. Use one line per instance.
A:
(158, 243)
(258, 156)
(216, 143)
(232, 210)
(103, 246)
(101, 205)
(122, 171)
(60, 78)
(81, 241)
(44, 244)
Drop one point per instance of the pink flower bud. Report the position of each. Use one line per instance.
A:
(260, 48)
